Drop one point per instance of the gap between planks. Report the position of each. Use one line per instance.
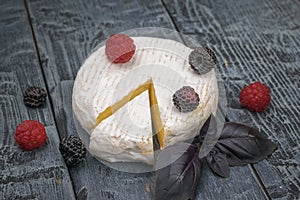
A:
(170, 16)
(257, 177)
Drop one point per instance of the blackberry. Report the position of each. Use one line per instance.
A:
(186, 99)
(202, 60)
(212, 54)
(72, 150)
(34, 96)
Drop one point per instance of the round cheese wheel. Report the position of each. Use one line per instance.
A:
(126, 136)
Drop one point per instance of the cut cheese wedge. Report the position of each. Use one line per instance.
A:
(157, 125)
(114, 108)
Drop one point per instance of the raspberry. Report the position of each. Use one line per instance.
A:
(34, 96)
(119, 48)
(186, 99)
(202, 60)
(30, 134)
(255, 97)
(72, 150)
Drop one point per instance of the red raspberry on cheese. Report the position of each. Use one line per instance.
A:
(119, 48)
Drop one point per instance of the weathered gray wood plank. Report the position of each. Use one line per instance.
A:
(260, 41)
(34, 174)
(66, 32)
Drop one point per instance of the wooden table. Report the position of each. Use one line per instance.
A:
(43, 43)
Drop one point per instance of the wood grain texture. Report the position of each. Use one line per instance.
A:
(66, 32)
(25, 174)
(259, 41)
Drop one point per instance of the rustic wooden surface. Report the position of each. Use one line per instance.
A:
(260, 41)
(254, 40)
(35, 174)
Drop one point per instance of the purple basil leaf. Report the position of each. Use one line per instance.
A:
(243, 144)
(178, 172)
(218, 163)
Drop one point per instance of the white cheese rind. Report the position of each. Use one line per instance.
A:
(127, 135)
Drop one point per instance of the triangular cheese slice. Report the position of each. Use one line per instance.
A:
(157, 125)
